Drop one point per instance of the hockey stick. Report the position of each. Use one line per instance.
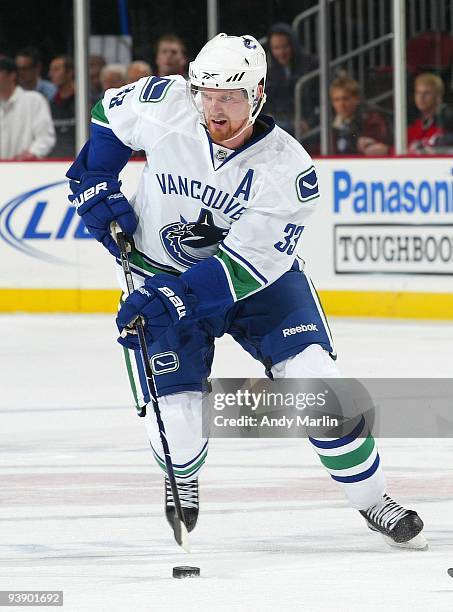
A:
(179, 526)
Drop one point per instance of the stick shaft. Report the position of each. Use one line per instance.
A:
(123, 246)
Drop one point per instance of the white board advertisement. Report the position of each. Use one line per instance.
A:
(380, 225)
(43, 242)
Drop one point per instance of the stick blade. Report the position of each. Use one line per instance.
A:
(181, 534)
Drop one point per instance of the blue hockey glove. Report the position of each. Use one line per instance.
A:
(99, 202)
(162, 302)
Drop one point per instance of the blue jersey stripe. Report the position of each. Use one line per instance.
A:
(359, 477)
(182, 465)
(340, 441)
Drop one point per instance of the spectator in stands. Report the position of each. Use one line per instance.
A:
(287, 62)
(358, 129)
(29, 68)
(61, 72)
(137, 70)
(26, 129)
(171, 56)
(95, 64)
(443, 143)
(113, 75)
(428, 96)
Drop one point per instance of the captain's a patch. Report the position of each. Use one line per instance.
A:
(155, 89)
(307, 185)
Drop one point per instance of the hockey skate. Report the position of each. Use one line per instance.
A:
(188, 494)
(399, 527)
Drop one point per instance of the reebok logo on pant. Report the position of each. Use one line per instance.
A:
(290, 331)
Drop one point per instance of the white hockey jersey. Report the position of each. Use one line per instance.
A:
(196, 199)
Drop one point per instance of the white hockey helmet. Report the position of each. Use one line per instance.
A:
(231, 62)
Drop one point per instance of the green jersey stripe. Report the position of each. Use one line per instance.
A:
(242, 281)
(131, 375)
(356, 469)
(138, 260)
(98, 114)
(349, 460)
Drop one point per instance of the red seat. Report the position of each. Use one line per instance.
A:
(429, 51)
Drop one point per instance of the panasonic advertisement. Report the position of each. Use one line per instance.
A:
(398, 223)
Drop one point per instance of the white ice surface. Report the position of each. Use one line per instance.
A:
(81, 506)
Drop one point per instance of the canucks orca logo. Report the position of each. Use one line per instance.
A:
(190, 243)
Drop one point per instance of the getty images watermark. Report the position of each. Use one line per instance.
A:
(329, 408)
(257, 400)
(266, 408)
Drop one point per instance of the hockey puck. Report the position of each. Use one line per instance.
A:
(450, 572)
(185, 571)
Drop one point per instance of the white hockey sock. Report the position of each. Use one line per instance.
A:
(353, 460)
(182, 418)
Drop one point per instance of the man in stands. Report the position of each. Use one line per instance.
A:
(288, 62)
(137, 70)
(428, 97)
(29, 68)
(171, 56)
(61, 73)
(26, 129)
(113, 75)
(95, 64)
(358, 129)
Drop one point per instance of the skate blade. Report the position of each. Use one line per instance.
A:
(417, 543)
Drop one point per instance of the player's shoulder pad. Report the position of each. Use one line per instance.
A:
(155, 99)
(294, 170)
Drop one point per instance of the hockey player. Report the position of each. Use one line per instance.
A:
(219, 210)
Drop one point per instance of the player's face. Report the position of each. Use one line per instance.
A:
(344, 103)
(225, 112)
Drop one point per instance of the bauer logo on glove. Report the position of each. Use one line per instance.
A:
(175, 300)
(161, 302)
(88, 194)
(99, 201)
